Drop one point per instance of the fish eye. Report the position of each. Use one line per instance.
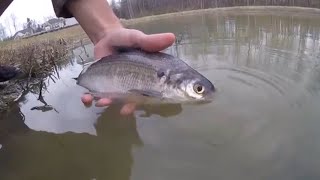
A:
(198, 89)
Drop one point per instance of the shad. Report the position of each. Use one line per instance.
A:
(142, 77)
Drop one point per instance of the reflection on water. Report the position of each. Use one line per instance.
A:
(263, 123)
(70, 155)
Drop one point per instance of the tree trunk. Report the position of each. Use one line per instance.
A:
(130, 9)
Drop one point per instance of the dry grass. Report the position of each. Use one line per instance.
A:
(35, 59)
(38, 57)
(71, 35)
(40, 54)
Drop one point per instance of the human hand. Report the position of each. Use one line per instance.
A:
(122, 37)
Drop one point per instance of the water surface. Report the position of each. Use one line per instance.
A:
(263, 123)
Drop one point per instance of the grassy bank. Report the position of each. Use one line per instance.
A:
(276, 10)
(39, 58)
(38, 55)
(35, 58)
(140, 8)
(71, 36)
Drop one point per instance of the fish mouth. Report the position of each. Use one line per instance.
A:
(208, 98)
(204, 100)
(200, 102)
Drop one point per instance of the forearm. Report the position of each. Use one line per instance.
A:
(94, 16)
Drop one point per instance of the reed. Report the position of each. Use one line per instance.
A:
(37, 60)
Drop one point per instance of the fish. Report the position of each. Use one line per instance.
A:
(141, 77)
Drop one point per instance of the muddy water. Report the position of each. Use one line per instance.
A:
(263, 123)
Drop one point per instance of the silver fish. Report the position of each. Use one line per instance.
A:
(143, 77)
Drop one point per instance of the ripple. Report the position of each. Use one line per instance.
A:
(256, 79)
(243, 81)
(265, 112)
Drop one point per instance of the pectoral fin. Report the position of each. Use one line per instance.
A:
(148, 93)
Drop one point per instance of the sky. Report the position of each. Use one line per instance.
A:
(34, 9)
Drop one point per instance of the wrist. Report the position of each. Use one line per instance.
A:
(95, 17)
(105, 31)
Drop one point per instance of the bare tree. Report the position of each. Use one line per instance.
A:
(14, 21)
(3, 33)
(130, 9)
(8, 25)
(138, 8)
(30, 24)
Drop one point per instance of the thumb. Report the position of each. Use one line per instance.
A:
(156, 42)
(138, 39)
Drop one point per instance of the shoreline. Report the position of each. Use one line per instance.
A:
(75, 34)
(280, 10)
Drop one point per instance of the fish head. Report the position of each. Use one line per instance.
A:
(192, 86)
(200, 89)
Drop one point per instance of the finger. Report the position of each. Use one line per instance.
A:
(135, 38)
(103, 102)
(128, 109)
(156, 42)
(87, 100)
(132, 38)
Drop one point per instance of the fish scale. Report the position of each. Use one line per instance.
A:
(156, 75)
(130, 76)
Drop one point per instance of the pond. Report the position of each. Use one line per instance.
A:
(262, 124)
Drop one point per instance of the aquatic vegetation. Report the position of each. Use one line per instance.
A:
(37, 61)
(71, 35)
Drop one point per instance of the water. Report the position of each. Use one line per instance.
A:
(263, 123)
